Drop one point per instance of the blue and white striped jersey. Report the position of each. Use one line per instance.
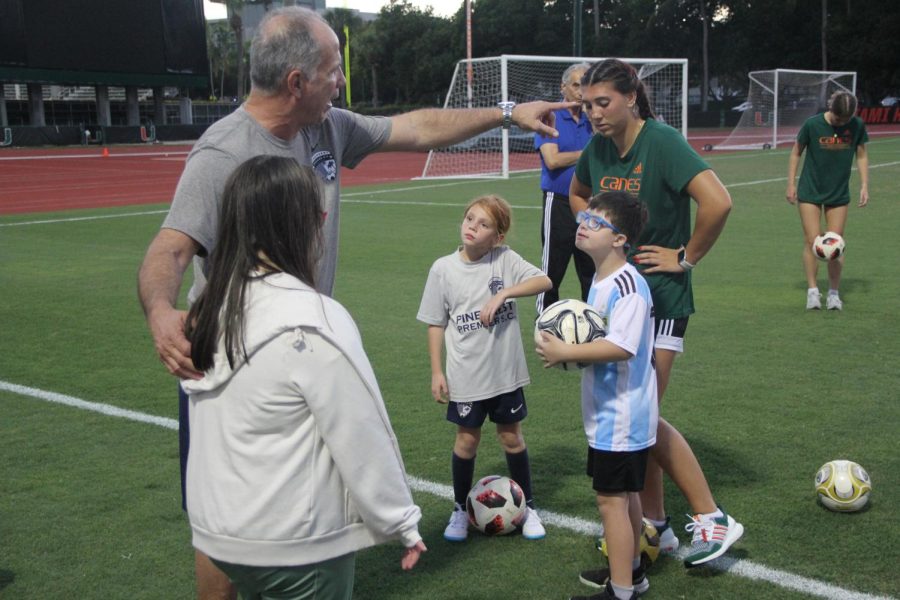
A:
(618, 399)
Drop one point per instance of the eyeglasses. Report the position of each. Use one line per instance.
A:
(593, 222)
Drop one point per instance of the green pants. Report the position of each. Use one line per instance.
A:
(327, 580)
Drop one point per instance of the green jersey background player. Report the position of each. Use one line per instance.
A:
(833, 138)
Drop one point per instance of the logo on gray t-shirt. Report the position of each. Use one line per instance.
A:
(324, 164)
(495, 285)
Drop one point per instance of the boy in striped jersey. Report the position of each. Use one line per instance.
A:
(618, 390)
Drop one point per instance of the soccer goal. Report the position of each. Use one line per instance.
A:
(778, 103)
(483, 82)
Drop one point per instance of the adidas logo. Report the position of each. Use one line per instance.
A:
(638, 169)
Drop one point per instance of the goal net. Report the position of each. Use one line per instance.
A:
(778, 103)
(483, 82)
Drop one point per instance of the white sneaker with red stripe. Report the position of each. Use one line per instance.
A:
(713, 536)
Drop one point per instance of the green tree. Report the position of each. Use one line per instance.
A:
(512, 27)
(408, 54)
(221, 52)
(862, 37)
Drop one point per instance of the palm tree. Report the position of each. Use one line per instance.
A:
(235, 10)
(704, 86)
(824, 32)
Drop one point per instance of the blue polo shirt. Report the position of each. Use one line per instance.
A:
(573, 135)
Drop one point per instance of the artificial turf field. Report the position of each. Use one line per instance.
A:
(766, 392)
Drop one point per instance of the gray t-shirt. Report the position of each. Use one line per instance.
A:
(343, 139)
(482, 362)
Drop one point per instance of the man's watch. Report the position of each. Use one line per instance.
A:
(682, 260)
(506, 108)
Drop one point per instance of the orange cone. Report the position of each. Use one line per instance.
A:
(106, 152)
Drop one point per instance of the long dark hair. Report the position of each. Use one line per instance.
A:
(625, 80)
(269, 221)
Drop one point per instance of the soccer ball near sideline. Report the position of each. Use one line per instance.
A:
(496, 505)
(843, 485)
(572, 321)
(828, 246)
(649, 543)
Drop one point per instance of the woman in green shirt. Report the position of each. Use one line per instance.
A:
(833, 138)
(632, 151)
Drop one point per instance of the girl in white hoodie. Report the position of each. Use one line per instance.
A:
(293, 465)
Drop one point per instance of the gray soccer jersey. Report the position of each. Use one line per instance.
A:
(343, 139)
(482, 362)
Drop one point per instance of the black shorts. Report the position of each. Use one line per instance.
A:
(503, 409)
(615, 472)
(669, 334)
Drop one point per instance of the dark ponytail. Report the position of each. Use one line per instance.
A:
(842, 105)
(625, 80)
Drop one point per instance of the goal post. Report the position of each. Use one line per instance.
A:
(499, 152)
(779, 101)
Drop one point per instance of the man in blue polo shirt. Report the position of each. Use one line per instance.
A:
(558, 158)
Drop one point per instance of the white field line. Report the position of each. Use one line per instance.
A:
(164, 154)
(741, 567)
(112, 155)
(94, 218)
(888, 132)
(760, 181)
(351, 195)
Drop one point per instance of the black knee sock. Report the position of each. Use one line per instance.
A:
(463, 471)
(520, 471)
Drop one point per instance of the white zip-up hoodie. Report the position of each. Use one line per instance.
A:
(293, 460)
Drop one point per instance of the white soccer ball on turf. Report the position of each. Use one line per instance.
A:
(843, 485)
(496, 505)
(572, 321)
(828, 246)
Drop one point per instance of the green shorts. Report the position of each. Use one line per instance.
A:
(331, 579)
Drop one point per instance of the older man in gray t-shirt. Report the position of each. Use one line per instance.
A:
(342, 139)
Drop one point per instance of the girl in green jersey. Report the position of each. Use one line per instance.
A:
(833, 138)
(631, 151)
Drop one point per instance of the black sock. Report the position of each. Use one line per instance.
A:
(520, 471)
(463, 471)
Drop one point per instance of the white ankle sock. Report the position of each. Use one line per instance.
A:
(623, 593)
(714, 515)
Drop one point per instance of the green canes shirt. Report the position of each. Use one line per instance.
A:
(657, 169)
(825, 177)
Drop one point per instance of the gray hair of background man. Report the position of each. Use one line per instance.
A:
(582, 66)
(284, 41)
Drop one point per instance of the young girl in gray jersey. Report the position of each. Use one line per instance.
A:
(469, 308)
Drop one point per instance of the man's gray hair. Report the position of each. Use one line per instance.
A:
(284, 41)
(582, 66)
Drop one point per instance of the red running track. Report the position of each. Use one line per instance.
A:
(42, 180)
(53, 179)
